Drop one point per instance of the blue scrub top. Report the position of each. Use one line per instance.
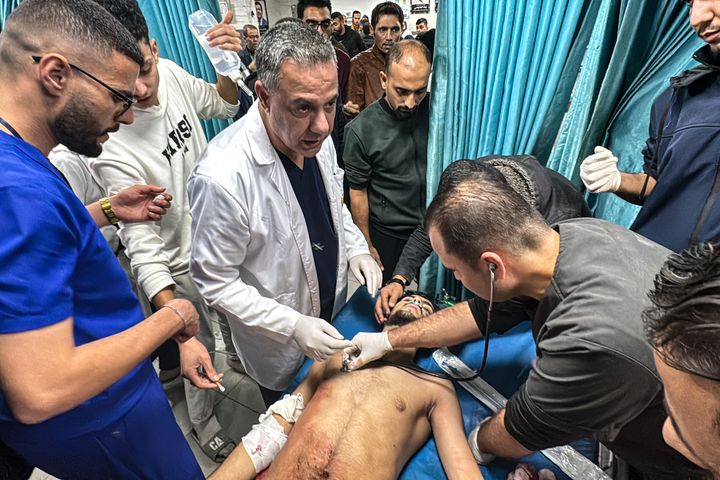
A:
(56, 264)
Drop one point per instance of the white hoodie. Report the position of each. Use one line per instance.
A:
(161, 148)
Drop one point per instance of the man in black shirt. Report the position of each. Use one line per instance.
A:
(386, 153)
(553, 195)
(351, 40)
(582, 284)
(421, 26)
(251, 35)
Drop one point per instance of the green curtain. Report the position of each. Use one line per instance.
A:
(168, 24)
(642, 45)
(627, 129)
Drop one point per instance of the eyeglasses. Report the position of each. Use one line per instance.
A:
(324, 25)
(117, 96)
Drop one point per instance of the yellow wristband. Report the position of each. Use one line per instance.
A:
(108, 211)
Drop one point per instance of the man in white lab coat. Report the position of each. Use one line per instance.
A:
(271, 238)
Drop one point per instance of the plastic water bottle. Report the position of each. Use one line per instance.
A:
(226, 63)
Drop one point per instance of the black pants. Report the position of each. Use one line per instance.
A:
(169, 354)
(12, 466)
(389, 248)
(269, 396)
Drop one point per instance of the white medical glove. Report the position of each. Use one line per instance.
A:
(367, 271)
(318, 338)
(599, 171)
(366, 347)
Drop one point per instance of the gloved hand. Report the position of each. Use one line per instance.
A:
(366, 347)
(366, 270)
(599, 171)
(318, 338)
(481, 458)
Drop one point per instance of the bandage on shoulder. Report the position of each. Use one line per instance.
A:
(289, 407)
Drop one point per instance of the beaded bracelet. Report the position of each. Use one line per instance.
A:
(177, 312)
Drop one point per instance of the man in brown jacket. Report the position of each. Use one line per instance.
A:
(364, 84)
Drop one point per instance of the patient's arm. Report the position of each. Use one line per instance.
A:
(447, 425)
(238, 465)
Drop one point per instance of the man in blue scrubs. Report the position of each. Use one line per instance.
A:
(73, 342)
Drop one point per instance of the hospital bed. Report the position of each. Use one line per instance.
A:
(509, 362)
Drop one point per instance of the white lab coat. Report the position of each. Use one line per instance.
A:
(251, 254)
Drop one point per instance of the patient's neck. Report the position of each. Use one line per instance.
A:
(401, 355)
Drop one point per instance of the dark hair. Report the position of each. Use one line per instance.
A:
(356, 11)
(421, 20)
(129, 14)
(403, 48)
(475, 210)
(427, 38)
(386, 8)
(247, 27)
(301, 6)
(81, 21)
(335, 15)
(683, 324)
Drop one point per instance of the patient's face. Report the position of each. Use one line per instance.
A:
(410, 308)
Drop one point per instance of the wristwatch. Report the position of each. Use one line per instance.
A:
(399, 281)
(108, 211)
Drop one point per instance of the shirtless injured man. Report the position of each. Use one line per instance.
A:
(364, 424)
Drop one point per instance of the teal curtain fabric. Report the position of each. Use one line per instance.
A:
(168, 24)
(627, 129)
(552, 78)
(635, 48)
(497, 68)
(6, 6)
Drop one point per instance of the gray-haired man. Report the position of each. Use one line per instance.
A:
(271, 237)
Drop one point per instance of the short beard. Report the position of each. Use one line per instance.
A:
(400, 318)
(75, 128)
(405, 113)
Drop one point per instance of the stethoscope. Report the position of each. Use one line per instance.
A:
(414, 368)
